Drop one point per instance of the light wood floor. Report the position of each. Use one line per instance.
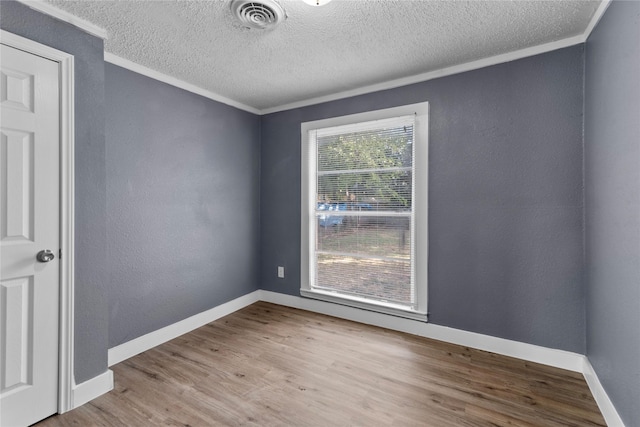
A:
(268, 365)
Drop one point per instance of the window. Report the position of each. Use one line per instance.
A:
(364, 210)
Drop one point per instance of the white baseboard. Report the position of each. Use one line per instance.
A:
(138, 345)
(533, 353)
(600, 395)
(89, 390)
(547, 356)
(552, 357)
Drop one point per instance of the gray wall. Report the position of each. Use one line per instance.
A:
(182, 203)
(91, 321)
(176, 212)
(612, 184)
(505, 197)
(167, 213)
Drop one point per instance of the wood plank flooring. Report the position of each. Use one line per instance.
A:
(268, 365)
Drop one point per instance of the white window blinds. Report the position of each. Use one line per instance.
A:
(362, 221)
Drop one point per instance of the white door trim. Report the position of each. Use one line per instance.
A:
(66, 381)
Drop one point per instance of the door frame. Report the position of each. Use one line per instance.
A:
(66, 382)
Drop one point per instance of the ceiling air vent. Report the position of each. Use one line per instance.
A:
(262, 14)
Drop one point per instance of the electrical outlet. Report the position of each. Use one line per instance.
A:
(281, 272)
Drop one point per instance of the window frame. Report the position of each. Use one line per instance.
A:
(420, 204)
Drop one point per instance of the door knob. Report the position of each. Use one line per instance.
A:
(45, 256)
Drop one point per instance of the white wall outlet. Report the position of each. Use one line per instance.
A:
(281, 272)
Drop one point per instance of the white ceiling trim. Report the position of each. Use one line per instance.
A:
(42, 6)
(596, 18)
(145, 71)
(443, 72)
(62, 15)
(456, 69)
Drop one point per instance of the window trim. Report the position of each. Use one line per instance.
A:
(420, 202)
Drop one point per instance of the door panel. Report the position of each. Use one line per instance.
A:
(29, 223)
(17, 365)
(17, 187)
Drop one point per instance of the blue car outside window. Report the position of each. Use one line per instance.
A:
(331, 219)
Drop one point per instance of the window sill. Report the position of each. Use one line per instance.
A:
(380, 307)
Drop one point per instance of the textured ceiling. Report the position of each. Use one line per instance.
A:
(319, 51)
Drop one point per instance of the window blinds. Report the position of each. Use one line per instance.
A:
(363, 218)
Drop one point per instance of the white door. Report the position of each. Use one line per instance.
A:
(29, 220)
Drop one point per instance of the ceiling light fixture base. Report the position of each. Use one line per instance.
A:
(316, 2)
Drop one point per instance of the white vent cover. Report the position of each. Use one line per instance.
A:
(262, 14)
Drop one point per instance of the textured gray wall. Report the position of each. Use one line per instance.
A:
(182, 203)
(91, 321)
(612, 184)
(505, 197)
(179, 181)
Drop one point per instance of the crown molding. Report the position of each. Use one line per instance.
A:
(596, 18)
(455, 69)
(435, 74)
(145, 71)
(49, 9)
(44, 7)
